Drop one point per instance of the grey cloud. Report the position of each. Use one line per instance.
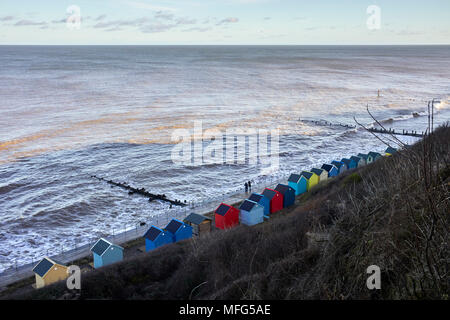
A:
(197, 29)
(155, 28)
(29, 23)
(100, 17)
(7, 18)
(227, 20)
(186, 21)
(123, 23)
(164, 15)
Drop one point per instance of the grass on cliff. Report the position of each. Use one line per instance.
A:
(392, 213)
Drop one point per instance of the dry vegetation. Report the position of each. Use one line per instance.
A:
(393, 213)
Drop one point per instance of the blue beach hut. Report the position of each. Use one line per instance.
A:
(155, 237)
(179, 230)
(349, 163)
(298, 183)
(358, 160)
(251, 213)
(261, 200)
(390, 151)
(339, 165)
(288, 194)
(363, 157)
(331, 169)
(106, 253)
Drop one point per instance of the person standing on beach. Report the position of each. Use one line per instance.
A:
(246, 187)
(249, 185)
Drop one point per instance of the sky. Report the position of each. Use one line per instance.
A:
(224, 22)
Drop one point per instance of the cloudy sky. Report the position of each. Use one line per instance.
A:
(224, 22)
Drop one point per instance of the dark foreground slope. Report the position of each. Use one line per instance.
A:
(393, 213)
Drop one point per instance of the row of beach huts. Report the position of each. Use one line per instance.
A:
(252, 211)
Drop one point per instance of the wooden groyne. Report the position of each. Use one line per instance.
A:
(141, 191)
(375, 130)
(402, 133)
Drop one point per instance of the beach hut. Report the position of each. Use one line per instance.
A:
(349, 163)
(106, 253)
(358, 160)
(288, 194)
(226, 216)
(298, 183)
(390, 151)
(156, 237)
(251, 213)
(200, 224)
(373, 156)
(261, 200)
(363, 157)
(331, 169)
(323, 175)
(312, 179)
(49, 271)
(179, 230)
(339, 165)
(275, 198)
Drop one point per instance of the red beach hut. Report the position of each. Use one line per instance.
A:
(226, 216)
(276, 199)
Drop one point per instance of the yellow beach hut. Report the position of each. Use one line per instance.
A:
(48, 271)
(311, 178)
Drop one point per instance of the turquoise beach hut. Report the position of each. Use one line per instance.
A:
(106, 253)
(373, 156)
(298, 183)
(251, 213)
(261, 200)
(331, 169)
(349, 163)
(179, 230)
(155, 238)
(339, 165)
(363, 157)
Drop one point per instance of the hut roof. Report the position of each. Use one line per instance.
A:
(269, 193)
(346, 161)
(307, 174)
(195, 218)
(101, 246)
(43, 267)
(222, 209)
(294, 178)
(247, 205)
(355, 158)
(328, 167)
(374, 154)
(173, 226)
(391, 150)
(282, 188)
(363, 155)
(337, 164)
(255, 197)
(152, 233)
(317, 171)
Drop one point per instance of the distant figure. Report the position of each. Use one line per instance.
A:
(378, 93)
(249, 185)
(246, 187)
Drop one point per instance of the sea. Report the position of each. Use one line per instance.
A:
(68, 113)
